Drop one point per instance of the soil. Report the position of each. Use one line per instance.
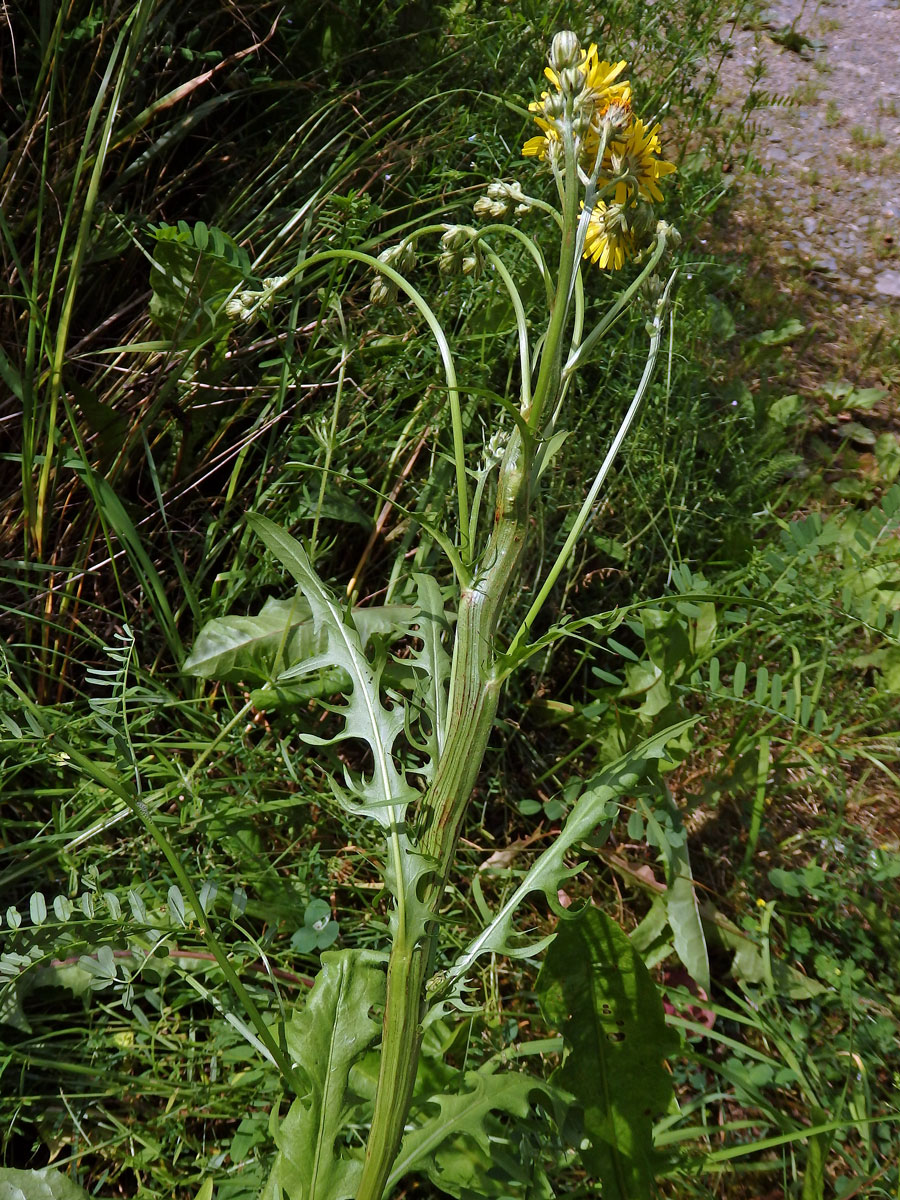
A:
(825, 206)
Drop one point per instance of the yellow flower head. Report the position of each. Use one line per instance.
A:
(634, 155)
(599, 93)
(609, 241)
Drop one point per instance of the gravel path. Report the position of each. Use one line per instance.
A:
(830, 191)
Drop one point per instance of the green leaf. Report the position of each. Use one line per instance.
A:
(46, 1184)
(385, 793)
(598, 803)
(785, 331)
(279, 638)
(455, 1147)
(682, 910)
(595, 989)
(326, 1040)
(189, 280)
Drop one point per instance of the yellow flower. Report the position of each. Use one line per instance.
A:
(600, 92)
(760, 903)
(599, 75)
(609, 241)
(634, 155)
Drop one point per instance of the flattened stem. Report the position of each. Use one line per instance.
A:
(474, 695)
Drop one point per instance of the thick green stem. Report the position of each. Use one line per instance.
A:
(474, 694)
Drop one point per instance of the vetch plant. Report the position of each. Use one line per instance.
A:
(419, 684)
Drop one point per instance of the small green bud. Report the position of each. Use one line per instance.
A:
(572, 81)
(565, 50)
(234, 309)
(382, 291)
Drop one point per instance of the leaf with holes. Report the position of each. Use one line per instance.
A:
(595, 989)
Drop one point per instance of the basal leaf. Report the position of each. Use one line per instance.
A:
(325, 1040)
(595, 989)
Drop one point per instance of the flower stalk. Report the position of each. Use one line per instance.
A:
(592, 147)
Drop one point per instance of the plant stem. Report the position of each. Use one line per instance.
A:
(474, 695)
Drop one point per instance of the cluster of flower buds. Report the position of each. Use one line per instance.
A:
(401, 257)
(246, 305)
(460, 251)
(498, 200)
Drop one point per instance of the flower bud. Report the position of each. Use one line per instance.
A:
(565, 51)
(555, 106)
(455, 237)
(234, 310)
(672, 235)
(484, 208)
(382, 291)
(572, 81)
(406, 256)
(273, 281)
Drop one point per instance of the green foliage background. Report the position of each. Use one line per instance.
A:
(764, 607)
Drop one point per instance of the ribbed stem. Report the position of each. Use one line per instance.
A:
(474, 695)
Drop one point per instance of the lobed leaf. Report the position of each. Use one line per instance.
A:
(385, 793)
(455, 1146)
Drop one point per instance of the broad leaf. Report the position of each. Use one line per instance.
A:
(595, 989)
(325, 1040)
(385, 793)
(46, 1184)
(282, 637)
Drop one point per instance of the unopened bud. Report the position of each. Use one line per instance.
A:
(565, 50)
(472, 263)
(572, 81)
(272, 282)
(673, 237)
(233, 308)
(406, 256)
(455, 237)
(382, 291)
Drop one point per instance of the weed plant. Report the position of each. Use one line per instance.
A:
(143, 425)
